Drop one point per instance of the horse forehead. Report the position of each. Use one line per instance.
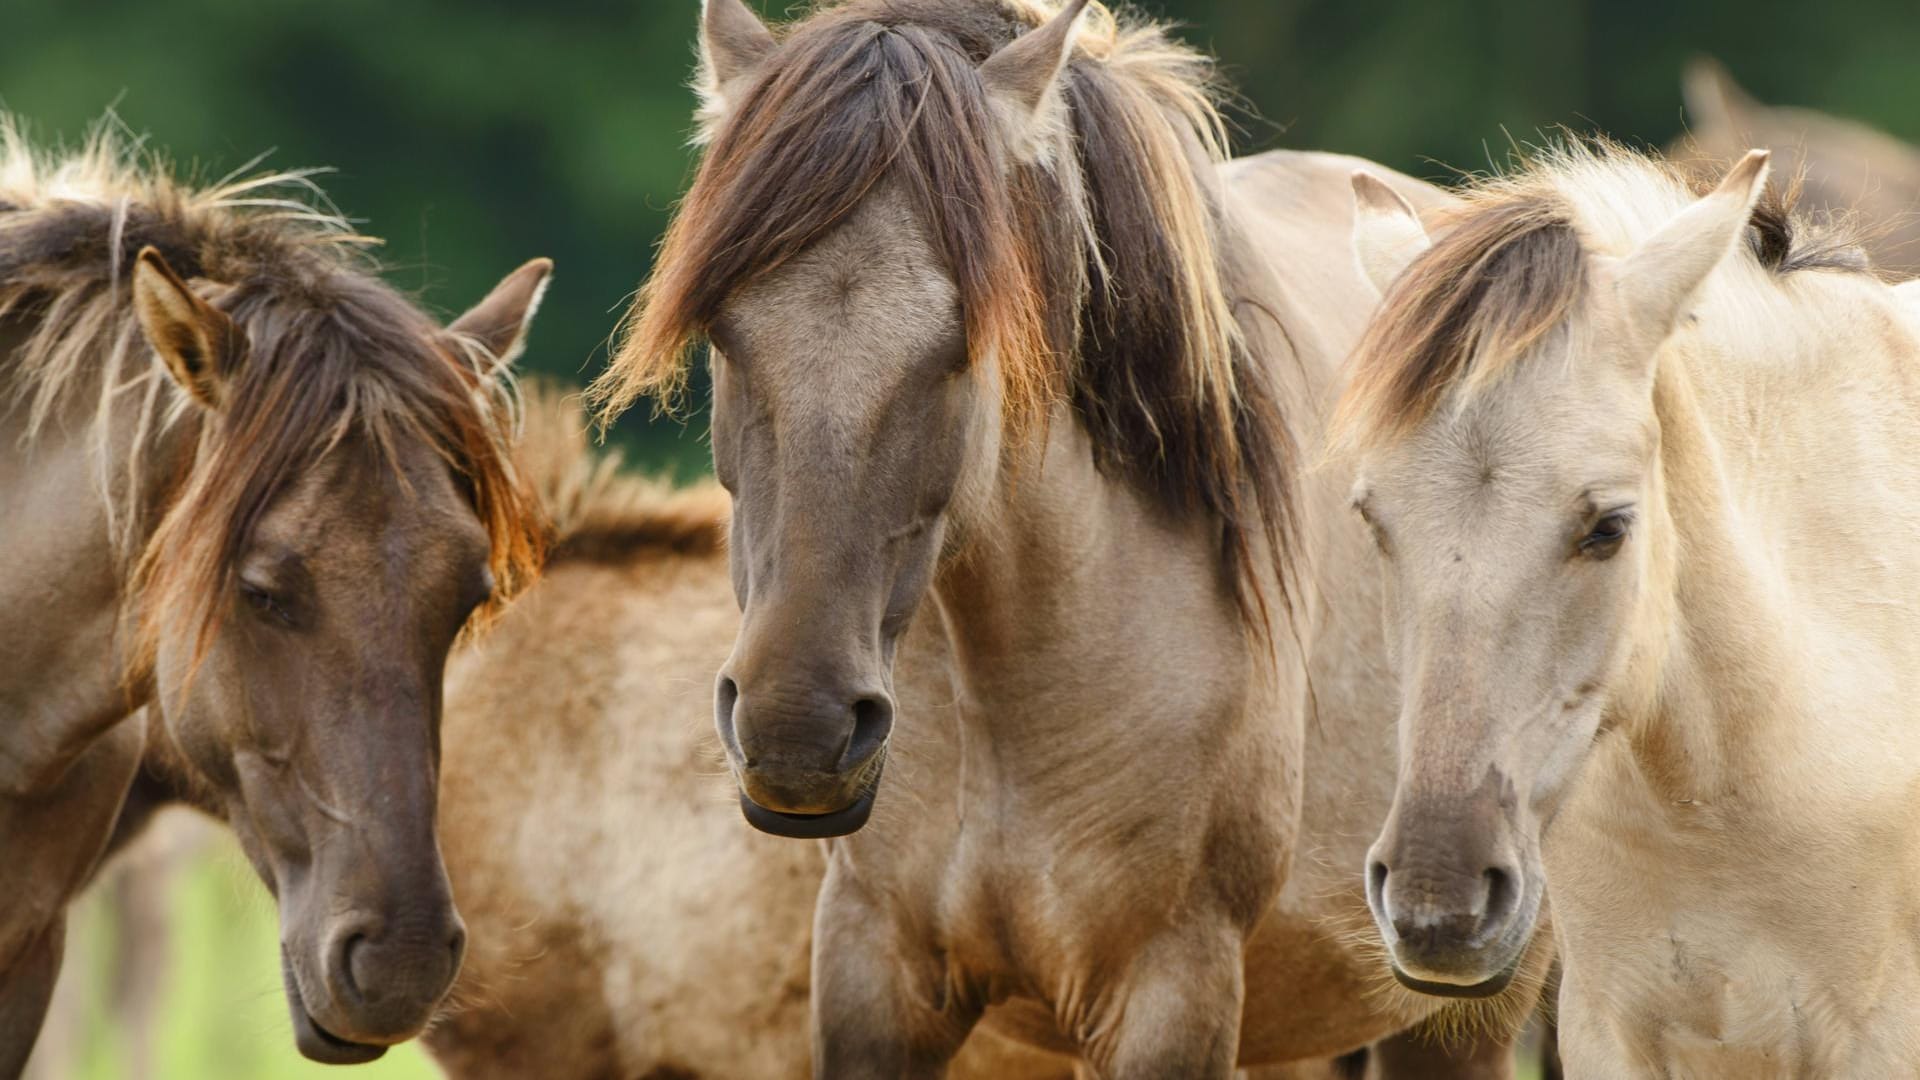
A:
(363, 511)
(866, 299)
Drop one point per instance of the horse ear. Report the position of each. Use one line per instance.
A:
(1714, 101)
(1658, 280)
(1021, 79)
(197, 342)
(733, 42)
(1387, 234)
(500, 322)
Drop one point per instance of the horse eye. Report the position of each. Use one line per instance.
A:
(1373, 528)
(1606, 536)
(264, 602)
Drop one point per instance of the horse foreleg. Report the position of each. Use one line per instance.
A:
(1178, 1014)
(50, 843)
(872, 1019)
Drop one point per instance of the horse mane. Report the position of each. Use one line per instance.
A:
(1511, 263)
(599, 512)
(334, 354)
(1096, 274)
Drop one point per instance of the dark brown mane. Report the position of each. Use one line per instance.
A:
(1511, 264)
(1785, 241)
(334, 354)
(1096, 275)
(600, 512)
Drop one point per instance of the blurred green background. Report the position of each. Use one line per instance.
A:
(474, 134)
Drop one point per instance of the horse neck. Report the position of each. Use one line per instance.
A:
(90, 485)
(1093, 632)
(1743, 755)
(1725, 685)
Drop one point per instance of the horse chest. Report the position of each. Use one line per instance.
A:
(1703, 1007)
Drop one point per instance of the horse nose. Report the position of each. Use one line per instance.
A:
(815, 729)
(1432, 919)
(802, 748)
(1447, 889)
(392, 980)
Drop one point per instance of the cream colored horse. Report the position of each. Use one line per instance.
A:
(1642, 472)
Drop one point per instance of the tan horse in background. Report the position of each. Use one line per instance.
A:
(253, 488)
(998, 346)
(1849, 168)
(1641, 468)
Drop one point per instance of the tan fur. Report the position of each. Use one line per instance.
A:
(1714, 714)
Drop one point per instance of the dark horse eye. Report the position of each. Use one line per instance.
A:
(265, 602)
(1604, 539)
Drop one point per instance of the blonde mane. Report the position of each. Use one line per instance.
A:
(599, 511)
(1095, 274)
(1511, 264)
(333, 353)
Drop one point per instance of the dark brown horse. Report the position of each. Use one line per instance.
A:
(248, 484)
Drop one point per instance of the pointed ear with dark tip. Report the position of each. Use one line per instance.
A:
(197, 342)
(1387, 234)
(733, 42)
(1021, 77)
(500, 322)
(1660, 278)
(1714, 102)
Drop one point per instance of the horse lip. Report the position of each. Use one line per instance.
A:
(315, 1042)
(1485, 989)
(812, 826)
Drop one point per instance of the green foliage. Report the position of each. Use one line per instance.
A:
(475, 135)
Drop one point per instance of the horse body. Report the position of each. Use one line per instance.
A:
(1679, 695)
(625, 921)
(252, 498)
(1109, 838)
(1781, 756)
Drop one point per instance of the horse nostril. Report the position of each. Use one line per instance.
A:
(872, 722)
(457, 944)
(726, 693)
(1503, 898)
(351, 955)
